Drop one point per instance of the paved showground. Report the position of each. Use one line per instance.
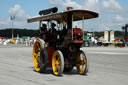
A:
(107, 66)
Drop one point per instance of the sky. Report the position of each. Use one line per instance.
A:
(113, 14)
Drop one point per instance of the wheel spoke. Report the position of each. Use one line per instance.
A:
(82, 62)
(83, 67)
(37, 45)
(58, 68)
(34, 54)
(58, 61)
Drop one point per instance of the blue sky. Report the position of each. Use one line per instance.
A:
(113, 14)
(30, 7)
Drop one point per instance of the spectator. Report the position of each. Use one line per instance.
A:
(124, 43)
(95, 42)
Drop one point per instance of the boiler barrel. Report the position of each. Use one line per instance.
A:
(47, 11)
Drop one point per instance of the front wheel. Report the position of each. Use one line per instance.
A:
(57, 63)
(81, 63)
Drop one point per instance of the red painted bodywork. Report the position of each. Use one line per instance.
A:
(2, 37)
(78, 41)
(76, 32)
(50, 51)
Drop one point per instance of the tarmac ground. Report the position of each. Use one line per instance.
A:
(107, 66)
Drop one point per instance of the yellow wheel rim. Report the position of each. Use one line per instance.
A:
(81, 63)
(56, 63)
(36, 55)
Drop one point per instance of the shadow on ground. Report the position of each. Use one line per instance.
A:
(49, 71)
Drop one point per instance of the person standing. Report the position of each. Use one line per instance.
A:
(95, 42)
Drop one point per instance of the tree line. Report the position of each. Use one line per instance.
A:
(34, 33)
(20, 32)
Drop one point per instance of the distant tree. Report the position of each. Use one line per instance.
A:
(21, 32)
(119, 34)
(99, 34)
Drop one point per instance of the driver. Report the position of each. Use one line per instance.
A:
(43, 29)
(52, 29)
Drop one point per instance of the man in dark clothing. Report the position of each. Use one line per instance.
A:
(52, 29)
(43, 31)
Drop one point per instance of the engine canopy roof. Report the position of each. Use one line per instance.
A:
(62, 16)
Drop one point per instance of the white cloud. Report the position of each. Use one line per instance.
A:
(3, 22)
(18, 12)
(56, 2)
(119, 18)
(111, 13)
(127, 19)
(20, 20)
(94, 5)
(91, 5)
(111, 6)
(85, 4)
(68, 3)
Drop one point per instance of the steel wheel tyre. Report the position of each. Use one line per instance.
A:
(81, 63)
(36, 55)
(57, 63)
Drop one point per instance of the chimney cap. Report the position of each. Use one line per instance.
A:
(69, 8)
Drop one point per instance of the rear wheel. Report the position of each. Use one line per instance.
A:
(37, 48)
(57, 63)
(81, 63)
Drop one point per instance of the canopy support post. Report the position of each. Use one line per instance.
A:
(83, 26)
(72, 27)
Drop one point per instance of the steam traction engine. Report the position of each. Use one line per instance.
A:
(61, 50)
